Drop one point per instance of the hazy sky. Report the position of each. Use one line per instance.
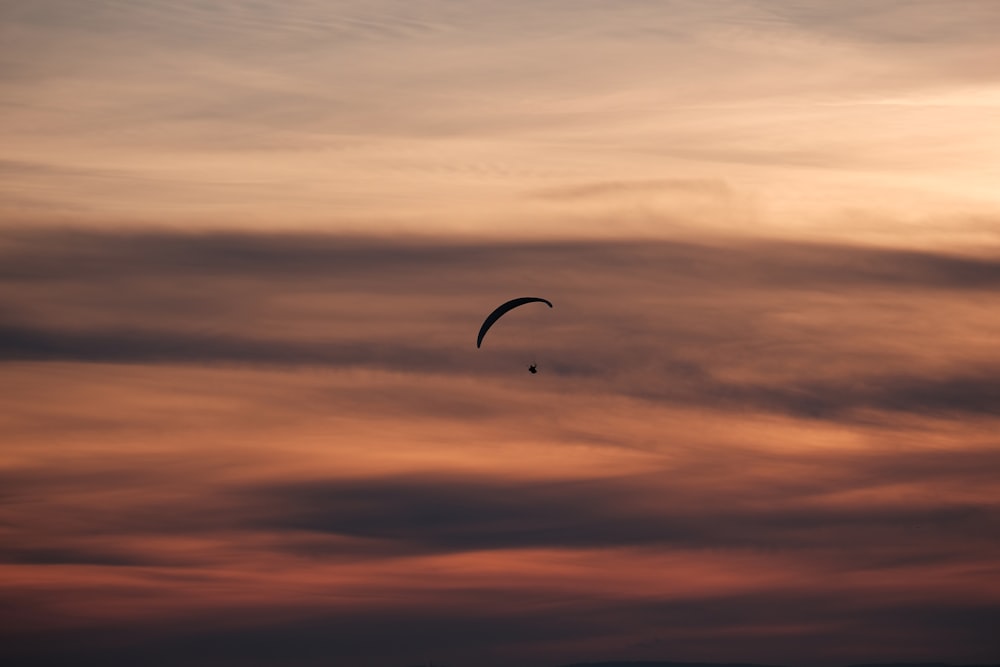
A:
(579, 116)
(246, 247)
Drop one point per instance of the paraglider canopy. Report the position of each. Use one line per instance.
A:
(502, 310)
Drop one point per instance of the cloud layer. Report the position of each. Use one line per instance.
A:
(271, 448)
(452, 116)
(245, 249)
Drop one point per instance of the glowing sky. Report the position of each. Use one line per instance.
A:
(486, 116)
(245, 248)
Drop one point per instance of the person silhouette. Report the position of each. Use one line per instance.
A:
(532, 369)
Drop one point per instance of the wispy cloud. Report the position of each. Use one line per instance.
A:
(245, 249)
(613, 188)
(291, 432)
(412, 116)
(815, 316)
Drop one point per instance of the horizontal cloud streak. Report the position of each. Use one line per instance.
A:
(255, 637)
(245, 249)
(972, 393)
(82, 254)
(25, 344)
(667, 321)
(442, 514)
(700, 504)
(261, 428)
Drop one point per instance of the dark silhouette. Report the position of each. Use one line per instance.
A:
(504, 308)
(533, 368)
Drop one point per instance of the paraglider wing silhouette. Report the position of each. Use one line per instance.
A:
(502, 310)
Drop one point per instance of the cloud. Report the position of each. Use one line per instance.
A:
(703, 188)
(735, 626)
(284, 448)
(666, 510)
(883, 510)
(188, 114)
(290, 433)
(678, 322)
(27, 344)
(81, 253)
(898, 22)
(843, 514)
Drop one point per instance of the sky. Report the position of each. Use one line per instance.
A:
(246, 247)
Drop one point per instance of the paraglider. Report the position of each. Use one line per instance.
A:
(502, 310)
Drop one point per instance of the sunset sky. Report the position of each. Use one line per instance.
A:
(246, 247)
